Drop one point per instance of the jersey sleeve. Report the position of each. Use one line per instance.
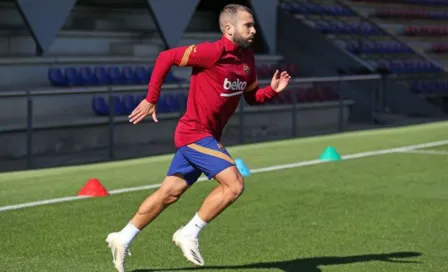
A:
(253, 94)
(203, 55)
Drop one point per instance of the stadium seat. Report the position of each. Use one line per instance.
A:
(429, 86)
(99, 105)
(116, 75)
(316, 9)
(129, 103)
(379, 47)
(171, 78)
(128, 75)
(142, 75)
(171, 102)
(57, 77)
(72, 76)
(408, 66)
(425, 31)
(102, 75)
(87, 76)
(329, 27)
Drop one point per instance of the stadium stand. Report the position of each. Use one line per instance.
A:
(110, 48)
(399, 37)
(102, 52)
(95, 51)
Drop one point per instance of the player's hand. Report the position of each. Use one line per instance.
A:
(141, 111)
(280, 81)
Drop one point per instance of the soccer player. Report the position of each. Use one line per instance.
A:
(223, 71)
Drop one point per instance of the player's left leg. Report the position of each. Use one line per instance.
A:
(215, 162)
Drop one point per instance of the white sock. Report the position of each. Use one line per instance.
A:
(193, 227)
(128, 233)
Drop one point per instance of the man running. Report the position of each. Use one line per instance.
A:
(223, 71)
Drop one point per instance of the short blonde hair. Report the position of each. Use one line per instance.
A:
(229, 12)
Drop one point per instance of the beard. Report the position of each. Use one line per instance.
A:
(241, 41)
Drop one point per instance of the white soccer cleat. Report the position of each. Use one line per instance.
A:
(119, 251)
(189, 247)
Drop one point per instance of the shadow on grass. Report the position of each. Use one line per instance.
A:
(305, 264)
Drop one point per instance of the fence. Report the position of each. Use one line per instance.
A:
(294, 107)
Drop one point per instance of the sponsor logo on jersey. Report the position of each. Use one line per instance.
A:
(236, 85)
(246, 69)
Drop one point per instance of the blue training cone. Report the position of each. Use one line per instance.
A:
(242, 168)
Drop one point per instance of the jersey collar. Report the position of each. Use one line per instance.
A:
(229, 45)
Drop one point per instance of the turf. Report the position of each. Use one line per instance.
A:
(381, 213)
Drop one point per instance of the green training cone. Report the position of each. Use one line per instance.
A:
(330, 154)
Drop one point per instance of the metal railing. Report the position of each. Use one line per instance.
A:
(294, 107)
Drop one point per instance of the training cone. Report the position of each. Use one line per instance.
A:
(93, 187)
(330, 154)
(242, 168)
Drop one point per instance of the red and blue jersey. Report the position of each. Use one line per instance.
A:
(222, 73)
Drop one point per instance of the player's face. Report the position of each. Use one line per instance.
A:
(244, 34)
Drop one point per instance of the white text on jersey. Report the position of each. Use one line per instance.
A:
(234, 86)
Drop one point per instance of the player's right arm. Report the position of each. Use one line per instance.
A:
(203, 55)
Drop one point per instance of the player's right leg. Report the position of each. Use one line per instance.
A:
(180, 176)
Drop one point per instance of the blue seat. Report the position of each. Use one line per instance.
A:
(142, 75)
(140, 98)
(129, 103)
(116, 76)
(56, 77)
(171, 78)
(369, 47)
(323, 27)
(161, 105)
(99, 105)
(119, 106)
(86, 76)
(338, 11)
(181, 98)
(72, 76)
(397, 66)
(102, 75)
(128, 75)
(298, 8)
(172, 103)
(308, 8)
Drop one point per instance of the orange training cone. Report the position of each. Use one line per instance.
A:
(93, 187)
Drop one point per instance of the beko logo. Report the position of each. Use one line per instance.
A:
(234, 85)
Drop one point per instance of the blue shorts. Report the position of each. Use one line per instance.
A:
(206, 156)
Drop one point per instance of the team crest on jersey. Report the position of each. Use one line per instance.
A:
(246, 69)
(220, 146)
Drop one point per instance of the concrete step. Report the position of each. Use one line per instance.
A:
(88, 42)
(135, 49)
(89, 23)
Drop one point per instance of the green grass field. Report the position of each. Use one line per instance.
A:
(377, 213)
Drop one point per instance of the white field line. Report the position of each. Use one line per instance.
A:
(430, 152)
(259, 170)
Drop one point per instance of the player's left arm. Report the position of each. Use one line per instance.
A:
(254, 95)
